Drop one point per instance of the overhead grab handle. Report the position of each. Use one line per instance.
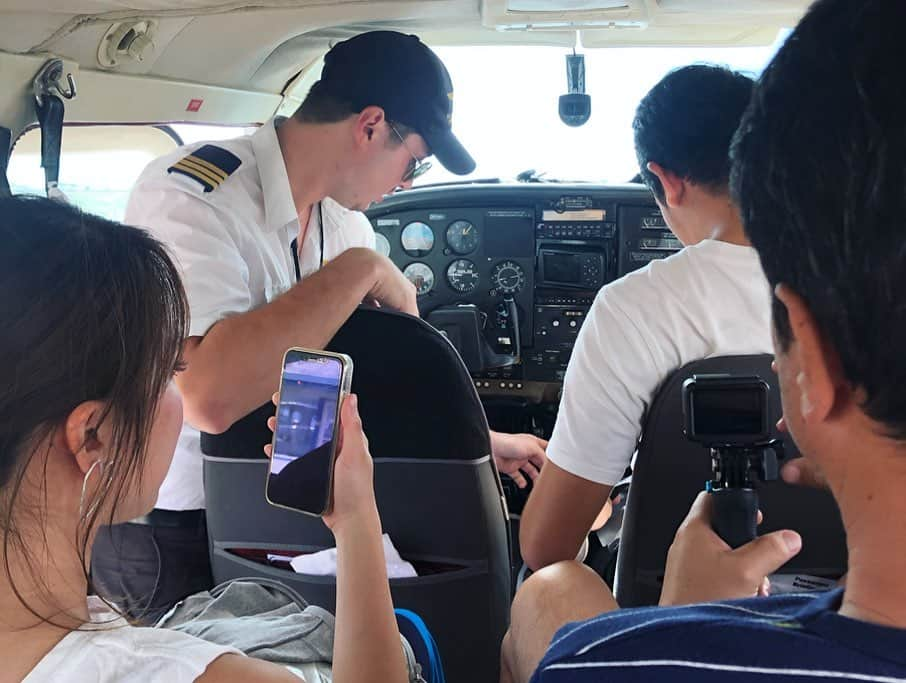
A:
(49, 107)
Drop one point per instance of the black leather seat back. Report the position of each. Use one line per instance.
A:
(438, 492)
(670, 471)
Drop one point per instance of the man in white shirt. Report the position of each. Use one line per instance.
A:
(709, 299)
(275, 253)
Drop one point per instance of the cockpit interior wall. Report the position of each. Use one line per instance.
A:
(522, 263)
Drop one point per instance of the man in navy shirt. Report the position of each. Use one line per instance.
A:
(819, 172)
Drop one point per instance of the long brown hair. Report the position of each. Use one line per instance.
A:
(90, 310)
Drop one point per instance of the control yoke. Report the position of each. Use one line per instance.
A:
(462, 325)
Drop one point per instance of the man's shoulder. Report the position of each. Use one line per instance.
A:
(201, 168)
(648, 289)
(658, 274)
(741, 640)
(682, 279)
(623, 626)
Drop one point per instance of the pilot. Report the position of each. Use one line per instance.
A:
(818, 171)
(274, 253)
(709, 299)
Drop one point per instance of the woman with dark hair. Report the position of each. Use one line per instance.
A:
(94, 317)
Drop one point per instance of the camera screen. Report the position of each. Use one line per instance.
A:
(303, 442)
(728, 410)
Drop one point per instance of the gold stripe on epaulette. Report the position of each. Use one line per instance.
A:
(211, 168)
(201, 175)
(192, 162)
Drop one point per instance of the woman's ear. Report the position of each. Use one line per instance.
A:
(84, 436)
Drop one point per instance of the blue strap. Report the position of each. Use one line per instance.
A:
(413, 628)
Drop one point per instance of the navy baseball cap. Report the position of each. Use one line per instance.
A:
(402, 76)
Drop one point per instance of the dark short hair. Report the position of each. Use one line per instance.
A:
(686, 122)
(319, 106)
(819, 172)
(90, 310)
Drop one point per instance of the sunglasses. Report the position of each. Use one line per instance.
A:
(416, 168)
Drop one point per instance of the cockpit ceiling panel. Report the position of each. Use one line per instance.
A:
(260, 44)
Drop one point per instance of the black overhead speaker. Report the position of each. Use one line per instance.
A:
(575, 106)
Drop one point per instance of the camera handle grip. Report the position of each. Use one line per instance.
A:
(735, 515)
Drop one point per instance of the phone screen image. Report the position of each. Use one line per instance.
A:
(304, 440)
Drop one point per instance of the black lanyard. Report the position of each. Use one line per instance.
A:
(294, 245)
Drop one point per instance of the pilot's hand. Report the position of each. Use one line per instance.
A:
(353, 476)
(518, 455)
(701, 567)
(392, 289)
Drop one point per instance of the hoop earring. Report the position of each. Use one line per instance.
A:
(82, 513)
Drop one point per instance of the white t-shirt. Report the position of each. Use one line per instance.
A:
(232, 244)
(108, 650)
(710, 299)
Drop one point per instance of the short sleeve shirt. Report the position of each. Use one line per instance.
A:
(108, 650)
(231, 240)
(710, 299)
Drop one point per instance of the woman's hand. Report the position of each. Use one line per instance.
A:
(353, 474)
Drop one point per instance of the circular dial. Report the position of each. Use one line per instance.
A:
(508, 277)
(381, 244)
(462, 275)
(417, 239)
(462, 237)
(420, 275)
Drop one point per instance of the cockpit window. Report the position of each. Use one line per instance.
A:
(505, 106)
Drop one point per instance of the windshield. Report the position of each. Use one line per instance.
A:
(505, 109)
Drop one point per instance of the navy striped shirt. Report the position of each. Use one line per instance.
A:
(798, 638)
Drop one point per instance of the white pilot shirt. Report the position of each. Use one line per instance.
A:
(232, 245)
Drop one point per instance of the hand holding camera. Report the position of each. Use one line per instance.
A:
(701, 567)
(729, 415)
(716, 554)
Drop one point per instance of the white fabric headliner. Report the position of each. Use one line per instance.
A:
(261, 44)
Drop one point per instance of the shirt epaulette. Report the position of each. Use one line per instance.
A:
(209, 165)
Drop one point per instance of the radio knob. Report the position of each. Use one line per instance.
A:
(555, 323)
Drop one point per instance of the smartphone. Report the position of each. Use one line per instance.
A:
(313, 385)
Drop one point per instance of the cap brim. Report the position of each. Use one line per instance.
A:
(449, 151)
